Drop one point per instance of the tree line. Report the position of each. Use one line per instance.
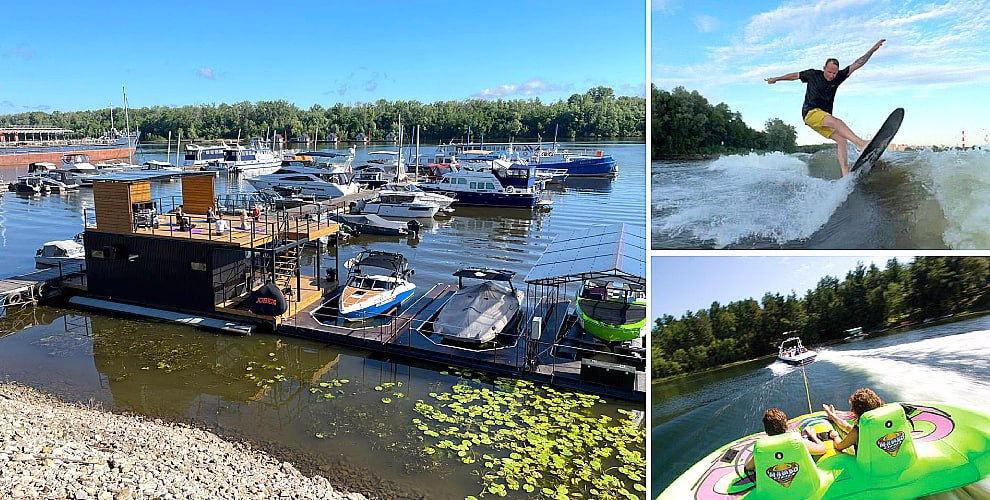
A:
(868, 297)
(598, 113)
(684, 123)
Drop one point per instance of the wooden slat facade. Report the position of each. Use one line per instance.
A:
(198, 194)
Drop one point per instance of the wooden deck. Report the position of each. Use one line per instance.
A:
(252, 235)
(310, 294)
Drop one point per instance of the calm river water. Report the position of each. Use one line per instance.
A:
(910, 200)
(181, 373)
(693, 416)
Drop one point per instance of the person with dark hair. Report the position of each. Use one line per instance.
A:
(775, 423)
(819, 97)
(861, 401)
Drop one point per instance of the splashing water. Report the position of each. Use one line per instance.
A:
(769, 197)
(951, 368)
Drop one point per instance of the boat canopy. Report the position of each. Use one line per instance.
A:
(485, 274)
(395, 262)
(597, 252)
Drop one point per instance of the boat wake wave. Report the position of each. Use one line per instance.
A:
(935, 369)
(956, 179)
(764, 197)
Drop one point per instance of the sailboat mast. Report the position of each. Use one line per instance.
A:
(127, 128)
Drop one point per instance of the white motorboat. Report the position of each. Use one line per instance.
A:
(793, 353)
(512, 187)
(476, 314)
(444, 201)
(59, 252)
(310, 181)
(366, 294)
(253, 159)
(854, 334)
(397, 205)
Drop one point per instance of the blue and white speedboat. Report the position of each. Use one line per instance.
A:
(367, 294)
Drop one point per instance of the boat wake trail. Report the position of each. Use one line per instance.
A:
(956, 179)
(952, 369)
(738, 198)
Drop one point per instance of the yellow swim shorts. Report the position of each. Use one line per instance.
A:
(814, 119)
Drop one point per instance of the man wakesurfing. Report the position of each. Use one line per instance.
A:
(819, 97)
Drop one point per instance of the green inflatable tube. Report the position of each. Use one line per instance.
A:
(905, 450)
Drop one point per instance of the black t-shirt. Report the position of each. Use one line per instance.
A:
(821, 92)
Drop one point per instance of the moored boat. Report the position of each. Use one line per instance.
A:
(367, 294)
(397, 205)
(22, 145)
(54, 253)
(612, 311)
(477, 313)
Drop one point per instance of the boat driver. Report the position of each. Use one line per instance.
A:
(819, 97)
(774, 423)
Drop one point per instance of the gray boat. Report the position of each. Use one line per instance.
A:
(371, 224)
(478, 313)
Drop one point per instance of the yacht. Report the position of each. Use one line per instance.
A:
(310, 181)
(201, 156)
(496, 187)
(443, 200)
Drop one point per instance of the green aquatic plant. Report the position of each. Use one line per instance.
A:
(535, 441)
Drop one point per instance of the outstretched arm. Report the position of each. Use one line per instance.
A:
(858, 63)
(787, 77)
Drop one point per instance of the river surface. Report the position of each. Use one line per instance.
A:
(693, 416)
(218, 381)
(910, 200)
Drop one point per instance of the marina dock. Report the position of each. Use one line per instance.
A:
(35, 286)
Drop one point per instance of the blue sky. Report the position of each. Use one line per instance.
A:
(686, 283)
(935, 63)
(73, 55)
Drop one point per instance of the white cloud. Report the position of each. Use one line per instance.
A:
(706, 23)
(532, 87)
(207, 73)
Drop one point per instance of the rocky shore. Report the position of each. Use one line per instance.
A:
(53, 449)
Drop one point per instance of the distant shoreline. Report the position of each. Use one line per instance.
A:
(874, 333)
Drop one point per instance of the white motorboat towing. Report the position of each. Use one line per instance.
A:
(792, 352)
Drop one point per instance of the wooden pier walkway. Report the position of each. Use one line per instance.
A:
(29, 288)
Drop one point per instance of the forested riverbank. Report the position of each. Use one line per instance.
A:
(598, 113)
(868, 297)
(685, 123)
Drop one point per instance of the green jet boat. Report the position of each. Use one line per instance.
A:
(905, 451)
(611, 311)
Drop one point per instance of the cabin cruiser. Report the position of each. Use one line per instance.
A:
(793, 353)
(612, 311)
(372, 177)
(477, 313)
(59, 252)
(367, 294)
(396, 204)
(311, 181)
(201, 156)
(496, 187)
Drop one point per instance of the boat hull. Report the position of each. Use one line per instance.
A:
(368, 309)
(26, 156)
(604, 330)
(601, 166)
(491, 199)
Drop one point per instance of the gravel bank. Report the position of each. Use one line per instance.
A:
(53, 449)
